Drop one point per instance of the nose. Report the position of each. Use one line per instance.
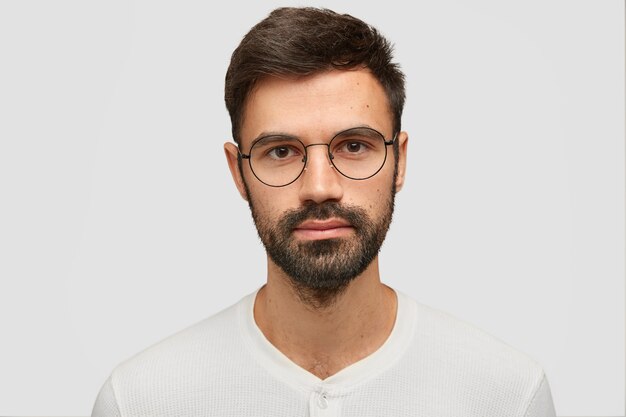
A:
(320, 180)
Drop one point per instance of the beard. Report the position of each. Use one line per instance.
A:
(321, 270)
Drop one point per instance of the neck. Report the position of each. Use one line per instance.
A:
(324, 340)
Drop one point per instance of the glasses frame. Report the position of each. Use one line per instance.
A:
(330, 155)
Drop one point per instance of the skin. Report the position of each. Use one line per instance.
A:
(321, 340)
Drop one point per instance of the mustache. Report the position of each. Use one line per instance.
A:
(354, 215)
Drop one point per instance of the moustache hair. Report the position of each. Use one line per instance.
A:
(354, 215)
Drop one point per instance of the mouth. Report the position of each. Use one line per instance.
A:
(323, 229)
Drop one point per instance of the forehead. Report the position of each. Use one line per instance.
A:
(316, 106)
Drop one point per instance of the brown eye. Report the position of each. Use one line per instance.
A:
(354, 146)
(351, 147)
(280, 152)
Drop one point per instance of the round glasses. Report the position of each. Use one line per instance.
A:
(357, 153)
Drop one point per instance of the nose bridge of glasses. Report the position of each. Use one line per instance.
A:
(327, 152)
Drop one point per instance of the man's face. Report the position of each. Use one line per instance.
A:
(324, 229)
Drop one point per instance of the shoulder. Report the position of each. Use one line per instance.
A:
(453, 337)
(209, 335)
(198, 356)
(458, 357)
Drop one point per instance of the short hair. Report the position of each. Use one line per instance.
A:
(293, 42)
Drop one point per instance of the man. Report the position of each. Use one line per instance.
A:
(315, 104)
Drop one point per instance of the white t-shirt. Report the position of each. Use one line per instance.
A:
(432, 364)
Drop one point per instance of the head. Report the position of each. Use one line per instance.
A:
(310, 73)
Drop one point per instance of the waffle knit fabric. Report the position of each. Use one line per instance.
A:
(432, 364)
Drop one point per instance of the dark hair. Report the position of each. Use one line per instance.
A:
(302, 41)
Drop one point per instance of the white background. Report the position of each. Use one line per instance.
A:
(119, 223)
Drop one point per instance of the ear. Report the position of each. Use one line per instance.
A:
(403, 140)
(232, 155)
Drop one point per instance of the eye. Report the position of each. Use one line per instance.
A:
(282, 152)
(352, 147)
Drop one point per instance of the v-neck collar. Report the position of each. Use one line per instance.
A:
(283, 368)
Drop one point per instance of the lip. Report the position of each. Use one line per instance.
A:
(323, 224)
(323, 229)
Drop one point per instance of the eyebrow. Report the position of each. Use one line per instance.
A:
(285, 135)
(276, 135)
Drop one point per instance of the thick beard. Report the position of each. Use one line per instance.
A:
(321, 270)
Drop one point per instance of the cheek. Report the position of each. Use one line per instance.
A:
(268, 204)
(372, 194)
